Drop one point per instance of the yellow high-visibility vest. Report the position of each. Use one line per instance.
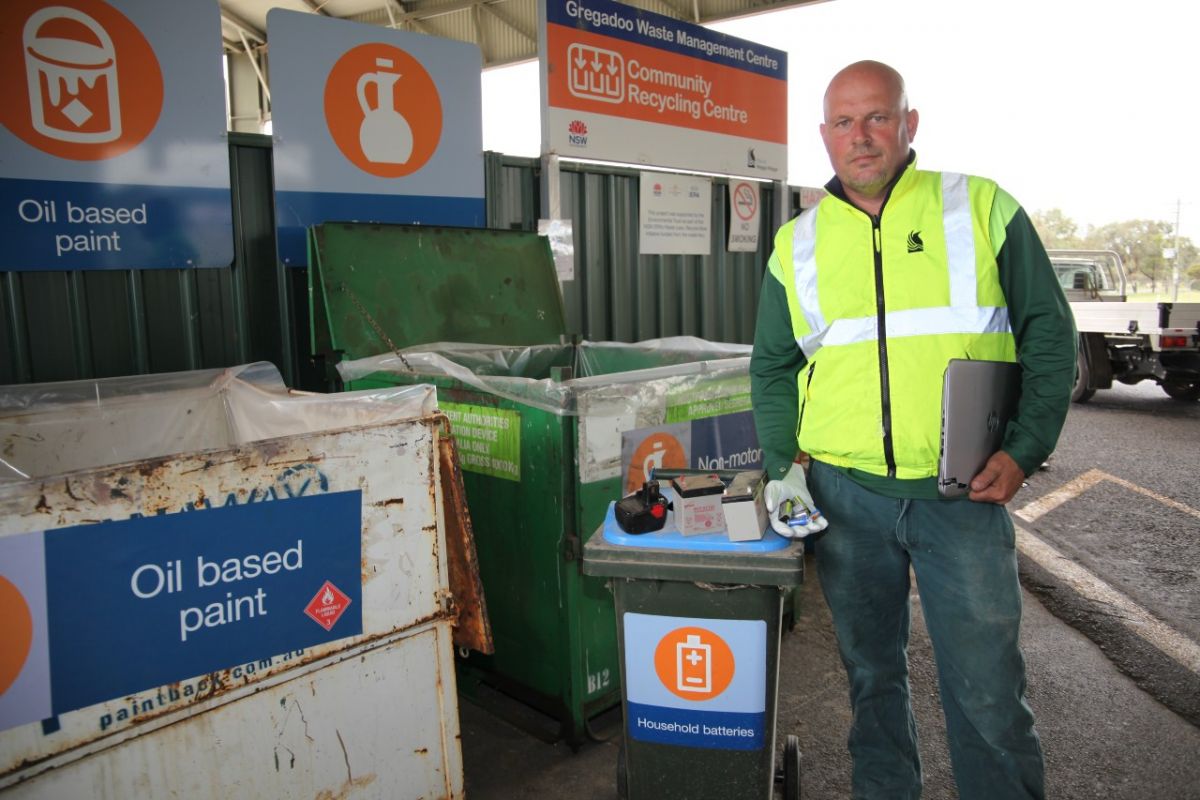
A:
(880, 308)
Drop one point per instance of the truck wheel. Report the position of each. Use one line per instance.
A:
(1184, 391)
(1080, 393)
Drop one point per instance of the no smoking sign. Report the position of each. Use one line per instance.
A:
(743, 228)
(745, 201)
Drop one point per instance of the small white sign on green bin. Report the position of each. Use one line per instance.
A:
(489, 439)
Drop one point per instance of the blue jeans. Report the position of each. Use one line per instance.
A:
(964, 558)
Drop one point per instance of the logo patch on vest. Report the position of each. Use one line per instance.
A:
(915, 245)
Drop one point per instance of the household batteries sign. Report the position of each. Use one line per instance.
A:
(696, 682)
(372, 125)
(622, 84)
(147, 602)
(113, 150)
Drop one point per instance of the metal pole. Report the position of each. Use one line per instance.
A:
(1175, 294)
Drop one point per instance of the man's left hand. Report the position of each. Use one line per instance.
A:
(998, 481)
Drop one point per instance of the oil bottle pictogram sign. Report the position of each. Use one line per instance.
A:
(113, 152)
(696, 682)
(372, 125)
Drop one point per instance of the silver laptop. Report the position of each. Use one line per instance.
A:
(978, 400)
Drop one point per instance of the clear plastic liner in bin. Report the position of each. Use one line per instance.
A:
(54, 428)
(618, 387)
(609, 377)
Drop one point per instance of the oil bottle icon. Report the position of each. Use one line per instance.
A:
(384, 136)
(73, 93)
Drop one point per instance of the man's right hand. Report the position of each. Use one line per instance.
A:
(793, 487)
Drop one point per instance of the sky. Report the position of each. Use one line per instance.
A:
(1089, 107)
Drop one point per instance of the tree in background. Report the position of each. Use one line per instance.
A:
(1140, 243)
(1056, 230)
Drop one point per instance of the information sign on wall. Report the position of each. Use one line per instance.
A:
(371, 125)
(622, 84)
(674, 214)
(113, 150)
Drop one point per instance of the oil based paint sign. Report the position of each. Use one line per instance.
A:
(373, 125)
(113, 150)
(109, 610)
(622, 84)
(696, 682)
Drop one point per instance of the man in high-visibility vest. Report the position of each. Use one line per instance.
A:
(868, 295)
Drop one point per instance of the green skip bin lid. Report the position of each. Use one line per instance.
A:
(377, 288)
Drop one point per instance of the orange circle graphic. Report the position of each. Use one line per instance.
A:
(656, 450)
(694, 663)
(79, 79)
(16, 633)
(383, 110)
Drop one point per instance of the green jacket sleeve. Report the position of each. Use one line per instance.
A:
(1044, 330)
(774, 364)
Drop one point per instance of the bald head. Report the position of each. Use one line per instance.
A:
(875, 72)
(867, 130)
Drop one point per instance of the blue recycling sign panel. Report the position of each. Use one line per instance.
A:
(113, 142)
(371, 125)
(118, 607)
(696, 682)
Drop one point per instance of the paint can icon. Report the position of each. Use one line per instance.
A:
(72, 79)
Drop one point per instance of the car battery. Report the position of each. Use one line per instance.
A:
(744, 506)
(698, 504)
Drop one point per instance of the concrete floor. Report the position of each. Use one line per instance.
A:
(1103, 736)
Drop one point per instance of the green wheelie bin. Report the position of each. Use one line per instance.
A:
(698, 622)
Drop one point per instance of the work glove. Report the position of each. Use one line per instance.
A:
(790, 506)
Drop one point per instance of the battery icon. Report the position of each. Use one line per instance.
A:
(693, 665)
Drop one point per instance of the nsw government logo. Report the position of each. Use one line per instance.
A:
(577, 133)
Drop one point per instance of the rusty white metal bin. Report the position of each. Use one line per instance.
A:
(224, 589)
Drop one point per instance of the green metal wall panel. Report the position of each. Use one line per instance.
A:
(71, 325)
(616, 294)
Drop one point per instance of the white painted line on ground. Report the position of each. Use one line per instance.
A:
(1090, 586)
(1127, 612)
(1073, 488)
(1068, 491)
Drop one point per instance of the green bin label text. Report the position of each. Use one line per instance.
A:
(713, 399)
(489, 439)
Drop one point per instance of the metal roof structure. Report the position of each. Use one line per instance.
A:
(505, 30)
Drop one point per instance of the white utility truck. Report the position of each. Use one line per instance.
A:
(1128, 342)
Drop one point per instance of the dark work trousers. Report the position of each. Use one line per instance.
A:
(964, 557)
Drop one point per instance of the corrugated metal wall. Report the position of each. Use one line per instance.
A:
(617, 294)
(68, 325)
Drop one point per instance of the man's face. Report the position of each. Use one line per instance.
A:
(866, 131)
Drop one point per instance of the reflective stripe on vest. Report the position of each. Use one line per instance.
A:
(963, 315)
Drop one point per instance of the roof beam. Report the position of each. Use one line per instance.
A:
(509, 21)
(243, 27)
(477, 24)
